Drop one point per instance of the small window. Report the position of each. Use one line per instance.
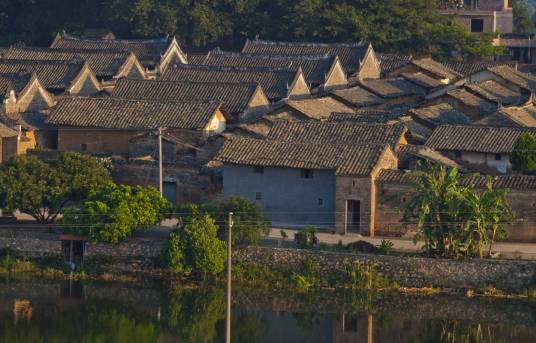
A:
(83, 147)
(498, 157)
(354, 183)
(320, 202)
(306, 174)
(258, 169)
(258, 196)
(477, 25)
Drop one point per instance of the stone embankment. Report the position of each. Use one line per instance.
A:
(407, 271)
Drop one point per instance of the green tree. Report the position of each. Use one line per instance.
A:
(112, 213)
(522, 21)
(42, 188)
(195, 247)
(455, 219)
(524, 155)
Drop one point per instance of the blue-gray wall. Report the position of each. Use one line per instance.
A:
(287, 199)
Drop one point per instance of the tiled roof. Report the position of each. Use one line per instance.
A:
(274, 82)
(234, 96)
(319, 108)
(442, 113)
(344, 159)
(195, 58)
(496, 119)
(337, 132)
(481, 139)
(525, 81)
(493, 91)
(357, 96)
(105, 64)
(350, 55)
(16, 82)
(523, 116)
(423, 80)
(114, 113)
(6, 132)
(28, 120)
(371, 115)
(148, 51)
(315, 68)
(98, 33)
(51, 74)
(470, 68)
(393, 88)
(390, 62)
(417, 131)
(468, 98)
(436, 68)
(519, 182)
(405, 152)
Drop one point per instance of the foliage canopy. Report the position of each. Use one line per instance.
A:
(524, 156)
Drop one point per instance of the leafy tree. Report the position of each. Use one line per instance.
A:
(112, 213)
(524, 156)
(522, 21)
(453, 219)
(43, 188)
(196, 248)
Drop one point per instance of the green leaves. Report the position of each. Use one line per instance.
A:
(524, 155)
(112, 213)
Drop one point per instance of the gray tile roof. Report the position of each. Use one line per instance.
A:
(522, 116)
(14, 82)
(148, 51)
(523, 80)
(52, 74)
(393, 88)
(275, 82)
(337, 132)
(350, 55)
(436, 68)
(114, 113)
(370, 115)
(357, 96)
(497, 119)
(407, 151)
(6, 132)
(470, 99)
(390, 62)
(104, 63)
(480, 139)
(470, 68)
(343, 159)
(234, 96)
(442, 113)
(423, 80)
(518, 182)
(493, 91)
(315, 68)
(319, 108)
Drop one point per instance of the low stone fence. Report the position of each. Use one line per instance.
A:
(406, 271)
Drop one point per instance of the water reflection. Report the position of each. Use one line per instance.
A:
(67, 312)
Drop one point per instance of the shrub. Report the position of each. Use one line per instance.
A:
(304, 238)
(386, 247)
(524, 156)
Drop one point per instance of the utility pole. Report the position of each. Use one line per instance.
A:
(160, 164)
(229, 263)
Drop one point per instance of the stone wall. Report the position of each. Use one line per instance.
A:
(31, 243)
(407, 271)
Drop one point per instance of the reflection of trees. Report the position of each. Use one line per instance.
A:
(88, 324)
(248, 326)
(194, 314)
(449, 331)
(306, 321)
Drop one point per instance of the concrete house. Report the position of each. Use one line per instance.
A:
(487, 149)
(303, 183)
(107, 125)
(320, 71)
(278, 84)
(74, 77)
(240, 100)
(357, 59)
(107, 65)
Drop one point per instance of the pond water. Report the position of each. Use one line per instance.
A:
(38, 311)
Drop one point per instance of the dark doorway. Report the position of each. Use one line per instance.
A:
(170, 191)
(477, 25)
(353, 216)
(73, 252)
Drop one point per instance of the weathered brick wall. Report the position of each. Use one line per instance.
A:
(406, 271)
(30, 243)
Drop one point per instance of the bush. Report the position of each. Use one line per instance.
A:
(386, 247)
(196, 248)
(524, 156)
(111, 214)
(304, 239)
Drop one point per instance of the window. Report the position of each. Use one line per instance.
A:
(258, 169)
(498, 157)
(306, 174)
(320, 202)
(477, 25)
(83, 147)
(258, 196)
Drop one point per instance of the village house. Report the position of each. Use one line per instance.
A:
(307, 109)
(8, 142)
(391, 62)
(356, 97)
(278, 84)
(357, 59)
(394, 188)
(23, 92)
(432, 116)
(429, 67)
(320, 71)
(302, 183)
(472, 105)
(493, 91)
(73, 77)
(524, 116)
(480, 16)
(108, 125)
(397, 91)
(241, 101)
(481, 148)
